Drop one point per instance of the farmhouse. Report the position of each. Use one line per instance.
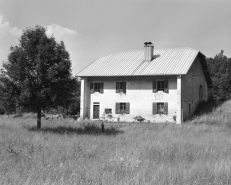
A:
(158, 84)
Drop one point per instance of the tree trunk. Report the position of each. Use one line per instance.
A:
(39, 118)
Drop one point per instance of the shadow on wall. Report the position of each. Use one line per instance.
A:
(87, 129)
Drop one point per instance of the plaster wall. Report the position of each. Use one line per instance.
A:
(139, 94)
(190, 88)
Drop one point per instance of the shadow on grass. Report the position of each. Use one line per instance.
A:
(88, 129)
(207, 107)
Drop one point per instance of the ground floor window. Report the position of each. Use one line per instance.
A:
(160, 108)
(108, 111)
(123, 108)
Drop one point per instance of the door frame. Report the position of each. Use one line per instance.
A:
(95, 104)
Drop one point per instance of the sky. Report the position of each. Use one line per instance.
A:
(94, 28)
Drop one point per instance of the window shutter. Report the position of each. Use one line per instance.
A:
(166, 108)
(117, 109)
(124, 87)
(127, 108)
(117, 87)
(166, 86)
(154, 108)
(91, 87)
(101, 87)
(154, 88)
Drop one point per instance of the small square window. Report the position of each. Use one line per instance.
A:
(108, 111)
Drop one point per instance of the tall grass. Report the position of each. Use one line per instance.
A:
(71, 152)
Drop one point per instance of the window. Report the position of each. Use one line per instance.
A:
(120, 87)
(160, 86)
(160, 108)
(122, 108)
(96, 87)
(189, 108)
(108, 111)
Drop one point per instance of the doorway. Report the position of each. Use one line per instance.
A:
(95, 111)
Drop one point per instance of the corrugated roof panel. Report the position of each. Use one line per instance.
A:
(166, 62)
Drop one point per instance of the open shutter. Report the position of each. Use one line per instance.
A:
(127, 108)
(166, 86)
(166, 108)
(154, 108)
(91, 87)
(101, 87)
(117, 109)
(154, 88)
(124, 87)
(117, 87)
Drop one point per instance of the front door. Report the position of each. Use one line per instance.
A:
(95, 111)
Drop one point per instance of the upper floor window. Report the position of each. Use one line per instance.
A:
(96, 87)
(120, 87)
(160, 85)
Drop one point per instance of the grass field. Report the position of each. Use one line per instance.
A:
(70, 152)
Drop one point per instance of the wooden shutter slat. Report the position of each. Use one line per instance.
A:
(117, 87)
(91, 87)
(127, 108)
(166, 108)
(154, 108)
(166, 86)
(154, 88)
(124, 87)
(117, 109)
(101, 87)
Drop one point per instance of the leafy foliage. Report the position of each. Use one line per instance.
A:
(220, 71)
(38, 72)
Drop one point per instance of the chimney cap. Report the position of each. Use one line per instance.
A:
(147, 43)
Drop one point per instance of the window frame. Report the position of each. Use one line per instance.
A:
(156, 105)
(160, 107)
(160, 86)
(108, 110)
(122, 108)
(121, 87)
(96, 86)
(160, 83)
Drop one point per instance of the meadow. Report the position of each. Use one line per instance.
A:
(71, 152)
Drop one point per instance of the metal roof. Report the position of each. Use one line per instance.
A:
(166, 62)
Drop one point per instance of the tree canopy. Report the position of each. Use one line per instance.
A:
(38, 72)
(220, 71)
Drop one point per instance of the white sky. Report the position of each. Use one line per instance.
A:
(93, 28)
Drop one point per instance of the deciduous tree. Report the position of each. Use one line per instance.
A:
(40, 70)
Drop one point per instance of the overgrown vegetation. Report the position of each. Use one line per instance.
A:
(220, 71)
(70, 152)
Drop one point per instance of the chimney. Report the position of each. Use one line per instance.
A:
(148, 51)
